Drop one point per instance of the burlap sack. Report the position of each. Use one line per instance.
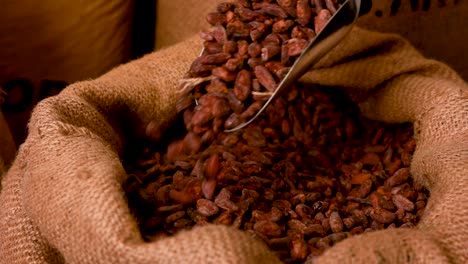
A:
(433, 27)
(46, 44)
(62, 200)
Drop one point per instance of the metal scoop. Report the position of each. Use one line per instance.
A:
(339, 25)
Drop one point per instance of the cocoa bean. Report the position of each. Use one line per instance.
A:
(399, 177)
(175, 149)
(175, 216)
(182, 223)
(201, 116)
(318, 5)
(236, 105)
(269, 51)
(208, 188)
(336, 224)
(370, 159)
(245, 3)
(210, 48)
(272, 38)
(224, 74)
(295, 46)
(282, 25)
(279, 243)
(192, 143)
(233, 65)
(255, 49)
(254, 62)
(243, 47)
(265, 78)
(232, 121)
(217, 58)
(238, 29)
(420, 204)
(382, 216)
(242, 85)
(170, 208)
(257, 30)
(268, 228)
(304, 211)
(230, 47)
(198, 68)
(216, 18)
(304, 13)
(286, 3)
(330, 6)
(224, 218)
(402, 202)
(212, 167)
(220, 35)
(206, 207)
(272, 9)
(224, 7)
(246, 14)
(321, 20)
(277, 68)
(299, 248)
(220, 108)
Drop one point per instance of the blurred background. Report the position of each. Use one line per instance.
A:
(46, 45)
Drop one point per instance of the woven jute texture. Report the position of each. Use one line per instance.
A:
(62, 200)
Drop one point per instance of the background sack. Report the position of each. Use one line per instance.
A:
(437, 28)
(47, 44)
(62, 200)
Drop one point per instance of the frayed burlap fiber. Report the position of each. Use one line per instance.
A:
(62, 200)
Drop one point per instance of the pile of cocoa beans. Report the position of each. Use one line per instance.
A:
(308, 173)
